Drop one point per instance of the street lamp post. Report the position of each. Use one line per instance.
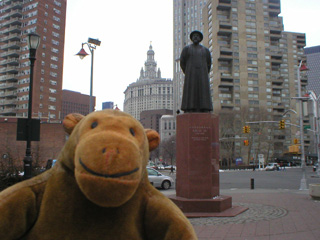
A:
(303, 182)
(92, 44)
(33, 43)
(315, 107)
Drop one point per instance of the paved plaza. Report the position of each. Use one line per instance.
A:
(281, 213)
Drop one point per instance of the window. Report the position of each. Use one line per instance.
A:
(53, 74)
(55, 26)
(50, 107)
(52, 99)
(51, 90)
(56, 18)
(55, 42)
(54, 58)
(54, 66)
(55, 34)
(55, 50)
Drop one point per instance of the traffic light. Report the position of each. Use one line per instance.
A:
(295, 141)
(246, 142)
(282, 124)
(246, 129)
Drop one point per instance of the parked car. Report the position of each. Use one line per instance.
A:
(160, 167)
(158, 180)
(272, 167)
(315, 167)
(168, 167)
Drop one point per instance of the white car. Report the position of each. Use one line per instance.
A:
(158, 180)
(272, 167)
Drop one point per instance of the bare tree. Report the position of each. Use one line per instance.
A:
(168, 149)
(232, 136)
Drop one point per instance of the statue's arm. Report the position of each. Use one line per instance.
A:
(18, 212)
(183, 59)
(208, 56)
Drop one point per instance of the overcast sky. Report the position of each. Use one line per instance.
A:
(125, 29)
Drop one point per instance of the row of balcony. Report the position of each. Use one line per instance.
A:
(17, 5)
(8, 110)
(9, 77)
(13, 69)
(10, 61)
(8, 94)
(13, 29)
(10, 54)
(8, 85)
(12, 1)
(8, 102)
(224, 4)
(11, 45)
(12, 21)
(11, 37)
(12, 13)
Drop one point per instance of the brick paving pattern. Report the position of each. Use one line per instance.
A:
(272, 215)
(255, 212)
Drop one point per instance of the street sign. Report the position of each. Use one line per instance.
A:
(306, 127)
(22, 134)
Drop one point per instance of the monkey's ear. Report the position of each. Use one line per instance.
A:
(70, 121)
(153, 138)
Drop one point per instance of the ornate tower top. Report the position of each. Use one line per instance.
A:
(150, 67)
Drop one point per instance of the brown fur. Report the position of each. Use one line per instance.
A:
(72, 201)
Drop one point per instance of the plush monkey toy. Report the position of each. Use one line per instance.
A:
(97, 190)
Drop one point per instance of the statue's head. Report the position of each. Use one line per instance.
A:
(196, 36)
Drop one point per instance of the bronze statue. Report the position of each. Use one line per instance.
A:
(195, 62)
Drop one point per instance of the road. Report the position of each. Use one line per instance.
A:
(241, 179)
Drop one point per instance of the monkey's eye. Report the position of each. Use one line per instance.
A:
(132, 132)
(94, 124)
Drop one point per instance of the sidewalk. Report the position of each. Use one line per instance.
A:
(272, 215)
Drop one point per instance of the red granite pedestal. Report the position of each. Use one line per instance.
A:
(197, 160)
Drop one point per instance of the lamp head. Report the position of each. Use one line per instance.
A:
(33, 41)
(82, 53)
(303, 68)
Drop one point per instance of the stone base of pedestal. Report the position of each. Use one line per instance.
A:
(314, 191)
(218, 207)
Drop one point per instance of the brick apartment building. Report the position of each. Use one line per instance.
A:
(75, 102)
(18, 18)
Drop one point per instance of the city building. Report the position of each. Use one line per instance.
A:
(253, 75)
(150, 91)
(107, 105)
(151, 118)
(313, 63)
(75, 102)
(18, 19)
(167, 127)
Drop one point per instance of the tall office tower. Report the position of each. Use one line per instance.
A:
(254, 70)
(107, 105)
(18, 19)
(187, 17)
(150, 91)
(313, 63)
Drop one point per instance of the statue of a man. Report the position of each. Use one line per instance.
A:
(195, 62)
